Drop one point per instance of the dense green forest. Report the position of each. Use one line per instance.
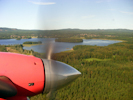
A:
(30, 42)
(110, 79)
(107, 71)
(68, 40)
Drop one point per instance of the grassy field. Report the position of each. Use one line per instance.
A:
(96, 59)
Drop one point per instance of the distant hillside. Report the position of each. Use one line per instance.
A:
(12, 33)
(8, 29)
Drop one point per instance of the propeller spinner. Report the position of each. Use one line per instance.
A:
(58, 74)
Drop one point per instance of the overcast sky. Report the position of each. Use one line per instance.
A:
(62, 14)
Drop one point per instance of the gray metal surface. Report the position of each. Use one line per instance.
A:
(58, 74)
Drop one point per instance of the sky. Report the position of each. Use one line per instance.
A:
(63, 14)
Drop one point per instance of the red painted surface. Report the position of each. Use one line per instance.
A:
(22, 70)
(16, 98)
(2, 99)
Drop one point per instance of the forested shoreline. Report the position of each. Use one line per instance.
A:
(107, 71)
(68, 40)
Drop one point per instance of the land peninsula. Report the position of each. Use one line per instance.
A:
(68, 40)
(30, 43)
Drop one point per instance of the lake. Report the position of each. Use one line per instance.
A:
(57, 46)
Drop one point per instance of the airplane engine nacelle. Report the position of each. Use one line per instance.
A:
(29, 75)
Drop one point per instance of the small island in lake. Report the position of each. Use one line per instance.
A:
(68, 40)
(30, 43)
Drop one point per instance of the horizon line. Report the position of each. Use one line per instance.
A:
(70, 29)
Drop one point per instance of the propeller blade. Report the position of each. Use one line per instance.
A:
(57, 74)
(49, 49)
(7, 88)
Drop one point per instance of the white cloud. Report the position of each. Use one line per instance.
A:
(131, 13)
(43, 3)
(89, 16)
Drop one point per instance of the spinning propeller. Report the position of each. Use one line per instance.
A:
(23, 75)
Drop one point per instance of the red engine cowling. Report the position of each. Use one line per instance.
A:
(31, 75)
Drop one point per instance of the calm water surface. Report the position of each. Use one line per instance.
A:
(57, 46)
